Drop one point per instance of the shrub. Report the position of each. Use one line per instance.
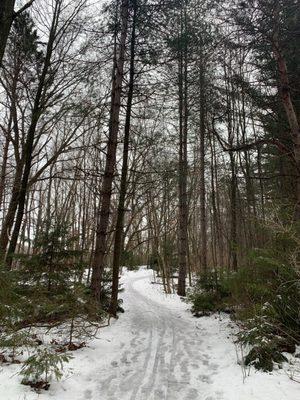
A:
(48, 284)
(15, 340)
(210, 293)
(203, 303)
(42, 367)
(264, 297)
(266, 345)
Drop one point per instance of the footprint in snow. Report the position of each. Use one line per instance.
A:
(219, 396)
(213, 367)
(192, 395)
(205, 379)
(158, 394)
(124, 359)
(88, 394)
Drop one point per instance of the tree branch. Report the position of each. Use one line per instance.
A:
(248, 146)
(22, 9)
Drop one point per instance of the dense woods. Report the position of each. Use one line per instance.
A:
(149, 132)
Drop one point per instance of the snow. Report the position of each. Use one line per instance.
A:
(157, 350)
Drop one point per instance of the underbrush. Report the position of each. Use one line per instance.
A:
(46, 308)
(38, 328)
(210, 294)
(263, 298)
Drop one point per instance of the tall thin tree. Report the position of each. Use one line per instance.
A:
(118, 240)
(110, 163)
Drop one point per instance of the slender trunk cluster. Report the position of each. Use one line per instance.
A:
(203, 238)
(183, 161)
(29, 143)
(110, 162)
(285, 93)
(118, 240)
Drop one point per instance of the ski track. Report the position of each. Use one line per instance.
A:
(157, 350)
(158, 362)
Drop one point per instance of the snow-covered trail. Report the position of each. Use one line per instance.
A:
(166, 354)
(156, 350)
(160, 360)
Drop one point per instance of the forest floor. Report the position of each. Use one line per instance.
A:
(157, 350)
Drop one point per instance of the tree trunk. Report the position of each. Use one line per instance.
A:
(183, 167)
(118, 242)
(28, 146)
(104, 212)
(285, 93)
(3, 171)
(6, 19)
(202, 172)
(233, 215)
(11, 212)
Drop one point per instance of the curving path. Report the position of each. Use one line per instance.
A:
(156, 350)
(161, 358)
(170, 355)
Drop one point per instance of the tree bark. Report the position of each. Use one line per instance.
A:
(6, 19)
(118, 242)
(285, 94)
(105, 204)
(3, 171)
(202, 172)
(11, 212)
(183, 167)
(29, 143)
(233, 215)
(7, 15)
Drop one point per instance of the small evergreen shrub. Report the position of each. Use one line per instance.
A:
(48, 283)
(270, 303)
(264, 298)
(42, 367)
(204, 303)
(153, 261)
(12, 342)
(210, 293)
(130, 260)
(83, 315)
(265, 344)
